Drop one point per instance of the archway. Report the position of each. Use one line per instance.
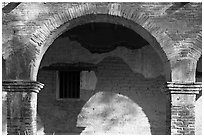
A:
(137, 22)
(58, 21)
(139, 62)
(117, 14)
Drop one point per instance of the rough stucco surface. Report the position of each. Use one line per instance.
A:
(115, 74)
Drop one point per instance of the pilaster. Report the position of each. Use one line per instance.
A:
(183, 97)
(21, 101)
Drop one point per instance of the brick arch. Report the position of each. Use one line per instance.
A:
(190, 48)
(112, 13)
(196, 47)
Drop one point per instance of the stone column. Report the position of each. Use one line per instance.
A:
(21, 100)
(183, 97)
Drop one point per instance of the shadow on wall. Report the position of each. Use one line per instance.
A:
(148, 93)
(57, 116)
(3, 69)
(111, 113)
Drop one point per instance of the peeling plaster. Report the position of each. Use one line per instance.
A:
(144, 60)
(26, 13)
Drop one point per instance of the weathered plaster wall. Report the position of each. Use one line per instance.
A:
(130, 73)
(173, 28)
(150, 63)
(35, 24)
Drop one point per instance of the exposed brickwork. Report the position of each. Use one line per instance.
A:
(21, 106)
(110, 19)
(120, 10)
(114, 9)
(183, 107)
(183, 120)
(188, 49)
(30, 28)
(176, 32)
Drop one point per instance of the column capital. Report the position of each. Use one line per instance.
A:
(21, 86)
(184, 87)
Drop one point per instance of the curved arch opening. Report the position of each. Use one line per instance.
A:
(141, 68)
(99, 18)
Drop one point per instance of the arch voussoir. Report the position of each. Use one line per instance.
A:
(113, 9)
(49, 25)
(198, 45)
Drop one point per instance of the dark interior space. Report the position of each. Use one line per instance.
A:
(105, 37)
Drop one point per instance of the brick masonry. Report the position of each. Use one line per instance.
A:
(37, 29)
(21, 100)
(27, 33)
(183, 99)
(183, 120)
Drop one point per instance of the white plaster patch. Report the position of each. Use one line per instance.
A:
(88, 80)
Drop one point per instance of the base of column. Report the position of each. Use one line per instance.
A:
(183, 107)
(21, 101)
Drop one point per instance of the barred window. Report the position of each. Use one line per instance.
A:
(68, 84)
